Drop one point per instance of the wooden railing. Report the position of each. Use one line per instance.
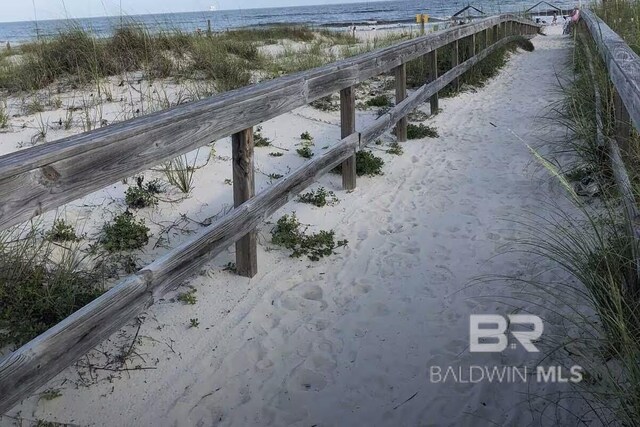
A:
(623, 67)
(42, 178)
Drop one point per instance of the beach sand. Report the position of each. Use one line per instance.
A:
(351, 339)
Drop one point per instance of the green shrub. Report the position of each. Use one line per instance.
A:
(260, 140)
(125, 233)
(288, 233)
(62, 232)
(305, 152)
(395, 148)
(378, 101)
(320, 197)
(306, 136)
(325, 104)
(188, 298)
(367, 164)
(142, 196)
(421, 131)
(276, 154)
(139, 198)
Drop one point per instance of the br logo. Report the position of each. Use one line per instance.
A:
(488, 332)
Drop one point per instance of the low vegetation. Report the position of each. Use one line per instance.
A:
(291, 234)
(378, 101)
(592, 245)
(40, 285)
(259, 140)
(367, 164)
(228, 58)
(4, 116)
(320, 197)
(305, 151)
(62, 232)
(420, 131)
(395, 149)
(179, 172)
(188, 298)
(125, 233)
(623, 17)
(138, 198)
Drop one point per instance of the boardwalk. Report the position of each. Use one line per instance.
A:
(350, 340)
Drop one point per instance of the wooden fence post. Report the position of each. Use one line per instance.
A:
(347, 127)
(244, 188)
(454, 62)
(473, 45)
(487, 38)
(432, 67)
(622, 123)
(401, 94)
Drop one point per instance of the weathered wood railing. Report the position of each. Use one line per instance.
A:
(42, 178)
(623, 67)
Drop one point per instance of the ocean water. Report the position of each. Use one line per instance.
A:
(370, 14)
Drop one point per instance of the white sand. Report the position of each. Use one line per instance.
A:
(349, 340)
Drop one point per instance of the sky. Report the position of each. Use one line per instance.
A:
(23, 10)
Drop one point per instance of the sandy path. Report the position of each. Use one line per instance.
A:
(349, 340)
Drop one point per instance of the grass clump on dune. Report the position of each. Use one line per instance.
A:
(40, 284)
(61, 231)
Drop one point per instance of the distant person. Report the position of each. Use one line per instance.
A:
(574, 17)
(8, 47)
(555, 18)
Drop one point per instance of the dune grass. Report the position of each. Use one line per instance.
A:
(623, 17)
(227, 58)
(41, 283)
(596, 312)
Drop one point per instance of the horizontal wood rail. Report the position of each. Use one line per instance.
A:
(623, 67)
(38, 179)
(621, 62)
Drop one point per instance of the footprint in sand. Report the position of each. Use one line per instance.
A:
(307, 380)
(317, 326)
(306, 298)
